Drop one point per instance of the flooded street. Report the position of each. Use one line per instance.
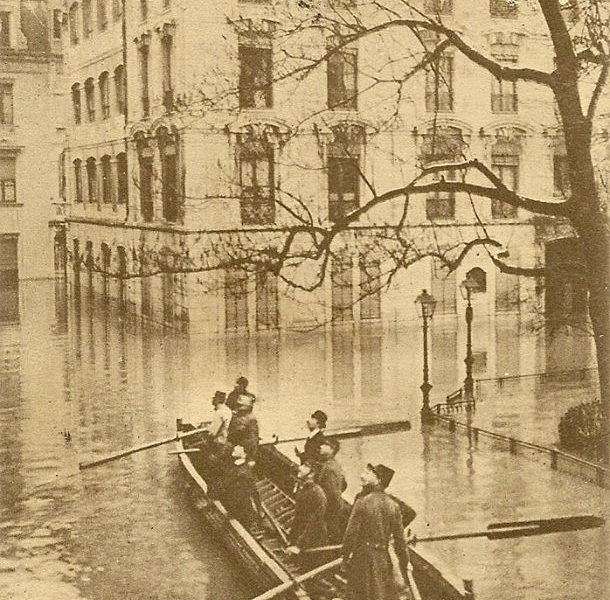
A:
(76, 383)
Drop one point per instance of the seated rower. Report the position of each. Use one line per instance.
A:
(316, 424)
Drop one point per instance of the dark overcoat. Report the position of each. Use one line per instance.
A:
(243, 431)
(309, 526)
(332, 480)
(311, 449)
(375, 519)
(236, 491)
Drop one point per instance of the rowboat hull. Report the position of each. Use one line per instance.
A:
(261, 560)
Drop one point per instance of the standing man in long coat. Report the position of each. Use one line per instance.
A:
(309, 525)
(243, 428)
(316, 424)
(332, 481)
(375, 519)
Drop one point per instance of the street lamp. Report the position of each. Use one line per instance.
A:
(426, 304)
(467, 288)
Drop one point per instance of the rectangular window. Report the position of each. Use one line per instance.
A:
(439, 85)
(87, 18)
(145, 184)
(145, 297)
(5, 31)
(102, 16)
(255, 77)
(236, 300)
(440, 205)
(342, 292)
(266, 301)
(166, 71)
(506, 168)
(343, 186)
(105, 95)
(504, 97)
(370, 289)
(78, 181)
(92, 180)
(119, 88)
(561, 179)
(504, 9)
(123, 180)
(76, 106)
(144, 80)
(7, 180)
(57, 23)
(256, 170)
(73, 17)
(106, 180)
(6, 103)
(443, 289)
(438, 7)
(90, 99)
(342, 79)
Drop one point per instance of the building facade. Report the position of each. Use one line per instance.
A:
(30, 141)
(199, 132)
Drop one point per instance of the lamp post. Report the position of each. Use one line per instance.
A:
(426, 304)
(467, 288)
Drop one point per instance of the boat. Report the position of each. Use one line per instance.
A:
(260, 550)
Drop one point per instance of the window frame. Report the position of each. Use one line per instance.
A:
(8, 183)
(437, 77)
(92, 187)
(337, 89)
(104, 89)
(77, 165)
(90, 99)
(7, 115)
(255, 61)
(505, 164)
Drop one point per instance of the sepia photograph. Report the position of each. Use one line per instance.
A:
(304, 299)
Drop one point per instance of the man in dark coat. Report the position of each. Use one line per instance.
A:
(309, 526)
(316, 424)
(240, 389)
(375, 519)
(243, 428)
(237, 489)
(332, 480)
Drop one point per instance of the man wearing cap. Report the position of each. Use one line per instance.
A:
(375, 519)
(309, 526)
(243, 428)
(316, 425)
(240, 389)
(332, 481)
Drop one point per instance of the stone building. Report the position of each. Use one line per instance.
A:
(30, 72)
(187, 138)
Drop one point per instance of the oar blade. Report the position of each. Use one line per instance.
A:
(553, 524)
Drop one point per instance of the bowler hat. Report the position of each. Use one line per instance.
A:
(320, 417)
(242, 381)
(384, 474)
(219, 396)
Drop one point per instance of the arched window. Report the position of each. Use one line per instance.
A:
(119, 88)
(73, 17)
(87, 19)
(106, 180)
(78, 180)
(344, 167)
(104, 95)
(442, 144)
(168, 150)
(505, 164)
(90, 98)
(122, 178)
(92, 180)
(102, 15)
(479, 277)
(256, 178)
(76, 103)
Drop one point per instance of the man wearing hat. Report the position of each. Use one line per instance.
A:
(316, 424)
(243, 428)
(240, 389)
(375, 519)
(219, 427)
(332, 481)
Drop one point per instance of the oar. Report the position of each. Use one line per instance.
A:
(496, 531)
(296, 581)
(371, 429)
(123, 453)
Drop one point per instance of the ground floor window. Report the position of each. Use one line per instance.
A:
(267, 314)
(236, 299)
(9, 278)
(370, 289)
(342, 291)
(443, 288)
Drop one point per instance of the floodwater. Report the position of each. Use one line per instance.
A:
(78, 382)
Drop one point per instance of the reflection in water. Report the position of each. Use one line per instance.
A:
(80, 382)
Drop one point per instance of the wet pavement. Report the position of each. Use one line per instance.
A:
(76, 383)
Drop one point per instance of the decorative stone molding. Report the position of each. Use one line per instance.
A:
(166, 29)
(143, 40)
(274, 131)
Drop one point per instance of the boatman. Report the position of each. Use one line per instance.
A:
(309, 526)
(375, 519)
(237, 489)
(240, 389)
(316, 424)
(243, 428)
(332, 481)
